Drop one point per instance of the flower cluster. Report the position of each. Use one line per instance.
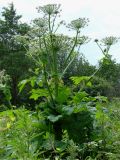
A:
(78, 23)
(108, 41)
(40, 22)
(50, 9)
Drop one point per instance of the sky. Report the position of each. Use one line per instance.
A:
(103, 15)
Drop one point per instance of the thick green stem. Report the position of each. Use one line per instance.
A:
(45, 76)
(64, 71)
(55, 73)
(100, 48)
(54, 22)
(45, 73)
(55, 67)
(72, 48)
(48, 57)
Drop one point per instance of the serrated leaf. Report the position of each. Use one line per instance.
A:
(37, 93)
(78, 80)
(63, 94)
(80, 96)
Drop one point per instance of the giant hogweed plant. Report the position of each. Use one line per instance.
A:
(44, 45)
(57, 102)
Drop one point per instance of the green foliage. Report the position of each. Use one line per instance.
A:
(19, 130)
(109, 68)
(100, 86)
(37, 93)
(63, 94)
(78, 80)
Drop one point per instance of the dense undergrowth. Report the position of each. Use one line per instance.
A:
(60, 115)
(26, 135)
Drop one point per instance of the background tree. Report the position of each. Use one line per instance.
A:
(12, 54)
(109, 69)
